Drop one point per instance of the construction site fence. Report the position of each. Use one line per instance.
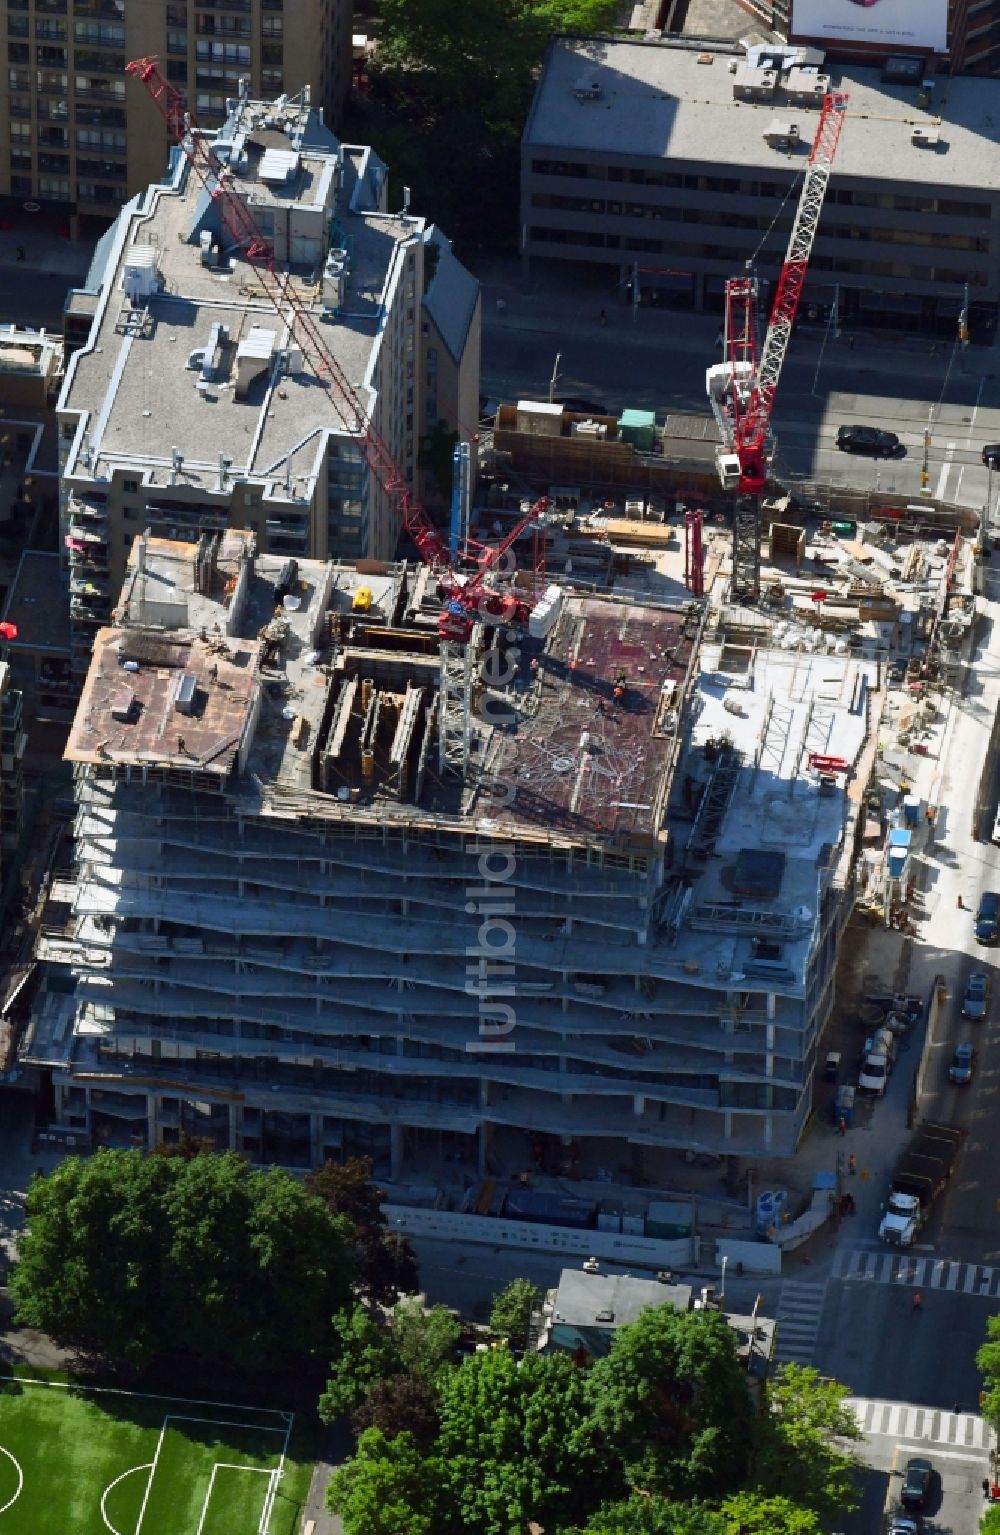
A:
(494, 1231)
(985, 801)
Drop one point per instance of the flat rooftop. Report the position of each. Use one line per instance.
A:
(757, 825)
(132, 381)
(38, 603)
(659, 101)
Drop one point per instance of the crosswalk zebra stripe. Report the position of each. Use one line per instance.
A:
(907, 1421)
(904, 1269)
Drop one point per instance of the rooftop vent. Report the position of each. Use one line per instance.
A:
(926, 138)
(253, 357)
(781, 134)
(604, 1316)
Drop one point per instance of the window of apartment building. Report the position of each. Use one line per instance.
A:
(111, 117)
(271, 81)
(51, 31)
(272, 54)
(177, 72)
(177, 15)
(222, 53)
(20, 133)
(95, 58)
(49, 57)
(96, 192)
(177, 42)
(54, 187)
(21, 186)
(20, 159)
(224, 26)
(20, 106)
(18, 26)
(53, 136)
(94, 138)
(274, 26)
(18, 53)
(95, 85)
(207, 103)
(50, 162)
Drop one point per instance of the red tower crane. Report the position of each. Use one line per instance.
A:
(743, 388)
(467, 596)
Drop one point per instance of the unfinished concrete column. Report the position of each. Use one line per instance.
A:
(395, 1151)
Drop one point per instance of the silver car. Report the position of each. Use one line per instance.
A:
(976, 1002)
(962, 1063)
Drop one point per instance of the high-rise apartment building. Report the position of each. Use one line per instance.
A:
(293, 928)
(187, 405)
(83, 136)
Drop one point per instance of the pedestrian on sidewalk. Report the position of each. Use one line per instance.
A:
(19, 254)
(842, 1126)
(852, 1163)
(986, 1486)
(960, 904)
(918, 1301)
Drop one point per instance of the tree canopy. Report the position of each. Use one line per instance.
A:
(802, 1448)
(136, 1259)
(384, 1261)
(671, 1401)
(451, 85)
(988, 1363)
(512, 1307)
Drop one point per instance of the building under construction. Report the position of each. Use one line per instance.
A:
(293, 929)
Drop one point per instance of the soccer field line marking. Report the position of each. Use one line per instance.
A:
(272, 1492)
(224, 1465)
(257, 1428)
(20, 1479)
(152, 1474)
(147, 1466)
(151, 1396)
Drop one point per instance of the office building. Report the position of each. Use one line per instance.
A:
(84, 137)
(294, 929)
(188, 405)
(672, 167)
(973, 30)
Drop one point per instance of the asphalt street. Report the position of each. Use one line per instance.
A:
(657, 361)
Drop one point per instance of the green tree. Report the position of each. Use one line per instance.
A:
(747, 1513)
(643, 1514)
(989, 1524)
(671, 1402)
(400, 1404)
(517, 1445)
(988, 1363)
(388, 1488)
(458, 81)
(136, 1259)
(802, 1446)
(363, 1354)
(512, 1307)
(385, 1261)
(424, 1340)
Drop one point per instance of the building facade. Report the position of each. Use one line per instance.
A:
(293, 929)
(973, 31)
(82, 136)
(671, 168)
(189, 406)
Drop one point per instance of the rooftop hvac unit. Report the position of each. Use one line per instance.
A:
(925, 138)
(754, 84)
(781, 134)
(806, 87)
(140, 275)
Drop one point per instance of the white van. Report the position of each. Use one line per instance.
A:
(874, 1075)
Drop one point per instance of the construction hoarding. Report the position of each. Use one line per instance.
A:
(888, 23)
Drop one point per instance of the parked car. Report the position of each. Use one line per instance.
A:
(868, 439)
(963, 1064)
(874, 1075)
(976, 1002)
(916, 1486)
(903, 1524)
(988, 917)
(991, 455)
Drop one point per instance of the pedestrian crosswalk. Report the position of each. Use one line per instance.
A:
(906, 1423)
(799, 1311)
(921, 1273)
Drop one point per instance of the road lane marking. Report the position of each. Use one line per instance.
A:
(945, 468)
(922, 1425)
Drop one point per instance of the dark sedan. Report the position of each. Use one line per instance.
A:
(916, 1483)
(868, 439)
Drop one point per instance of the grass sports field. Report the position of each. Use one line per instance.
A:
(75, 1461)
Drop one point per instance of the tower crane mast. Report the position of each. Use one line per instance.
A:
(743, 388)
(467, 597)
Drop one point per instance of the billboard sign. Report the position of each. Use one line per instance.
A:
(887, 24)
